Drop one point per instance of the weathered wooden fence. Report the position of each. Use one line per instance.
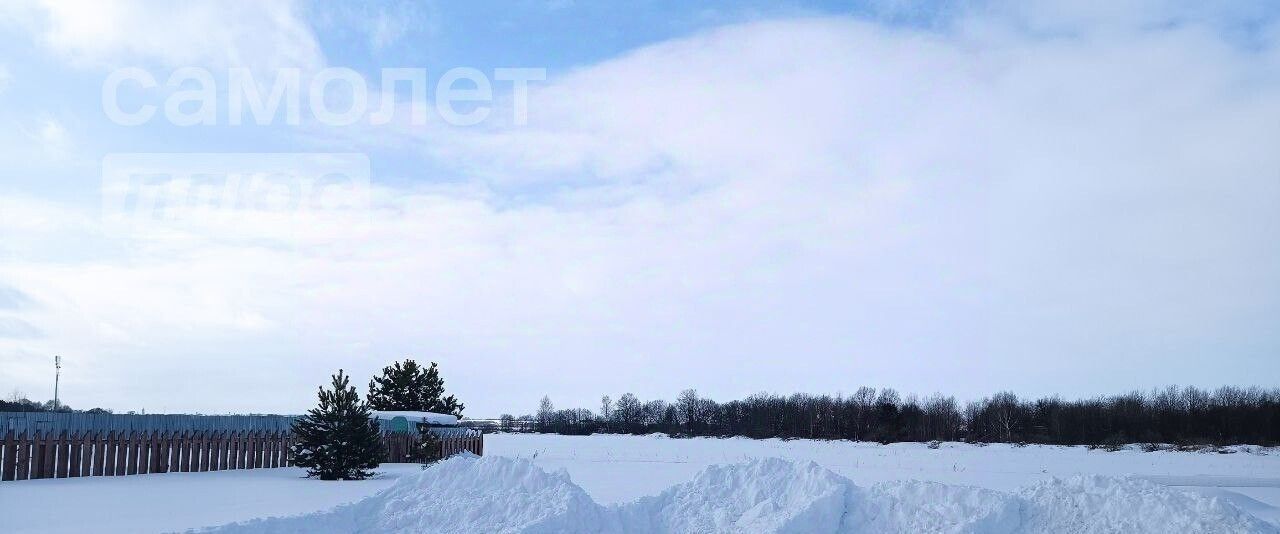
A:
(402, 447)
(26, 456)
(82, 454)
(471, 441)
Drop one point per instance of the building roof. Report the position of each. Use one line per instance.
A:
(430, 418)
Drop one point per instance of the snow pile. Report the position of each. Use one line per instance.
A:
(913, 506)
(768, 495)
(503, 495)
(1096, 504)
(465, 493)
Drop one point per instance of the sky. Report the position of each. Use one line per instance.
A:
(1041, 197)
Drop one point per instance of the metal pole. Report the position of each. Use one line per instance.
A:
(57, 375)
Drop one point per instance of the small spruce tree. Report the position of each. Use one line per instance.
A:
(337, 440)
(429, 450)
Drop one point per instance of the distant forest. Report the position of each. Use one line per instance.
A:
(1174, 415)
(19, 403)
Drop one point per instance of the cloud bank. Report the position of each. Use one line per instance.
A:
(1044, 201)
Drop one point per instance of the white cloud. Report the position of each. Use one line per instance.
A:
(214, 34)
(797, 205)
(50, 136)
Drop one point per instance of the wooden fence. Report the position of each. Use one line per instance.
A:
(83, 454)
(401, 447)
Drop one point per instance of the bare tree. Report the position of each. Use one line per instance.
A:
(687, 408)
(606, 410)
(546, 412)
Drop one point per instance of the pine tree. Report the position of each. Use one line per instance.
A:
(433, 394)
(407, 386)
(399, 388)
(337, 440)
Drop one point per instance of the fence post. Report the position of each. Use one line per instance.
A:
(8, 468)
(260, 452)
(226, 462)
(141, 447)
(166, 451)
(233, 449)
(122, 452)
(131, 453)
(50, 469)
(183, 457)
(259, 448)
(245, 449)
(99, 453)
(144, 452)
(228, 442)
(160, 451)
(201, 460)
(86, 454)
(255, 448)
(251, 459)
(61, 454)
(153, 452)
(215, 450)
(236, 450)
(173, 452)
(268, 448)
(73, 455)
(209, 442)
(37, 456)
(193, 451)
(109, 449)
(138, 452)
(22, 468)
(229, 452)
(275, 449)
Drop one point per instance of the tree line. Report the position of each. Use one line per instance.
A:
(18, 402)
(1173, 415)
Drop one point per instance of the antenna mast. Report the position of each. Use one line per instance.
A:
(57, 375)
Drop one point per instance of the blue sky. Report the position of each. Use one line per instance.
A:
(736, 197)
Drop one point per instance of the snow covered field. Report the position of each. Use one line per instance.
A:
(616, 468)
(627, 483)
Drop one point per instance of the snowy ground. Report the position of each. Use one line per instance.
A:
(620, 469)
(606, 465)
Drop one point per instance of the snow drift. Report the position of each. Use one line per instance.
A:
(462, 494)
(497, 494)
(913, 506)
(1095, 504)
(768, 495)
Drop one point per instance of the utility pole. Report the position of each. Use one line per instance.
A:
(57, 375)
